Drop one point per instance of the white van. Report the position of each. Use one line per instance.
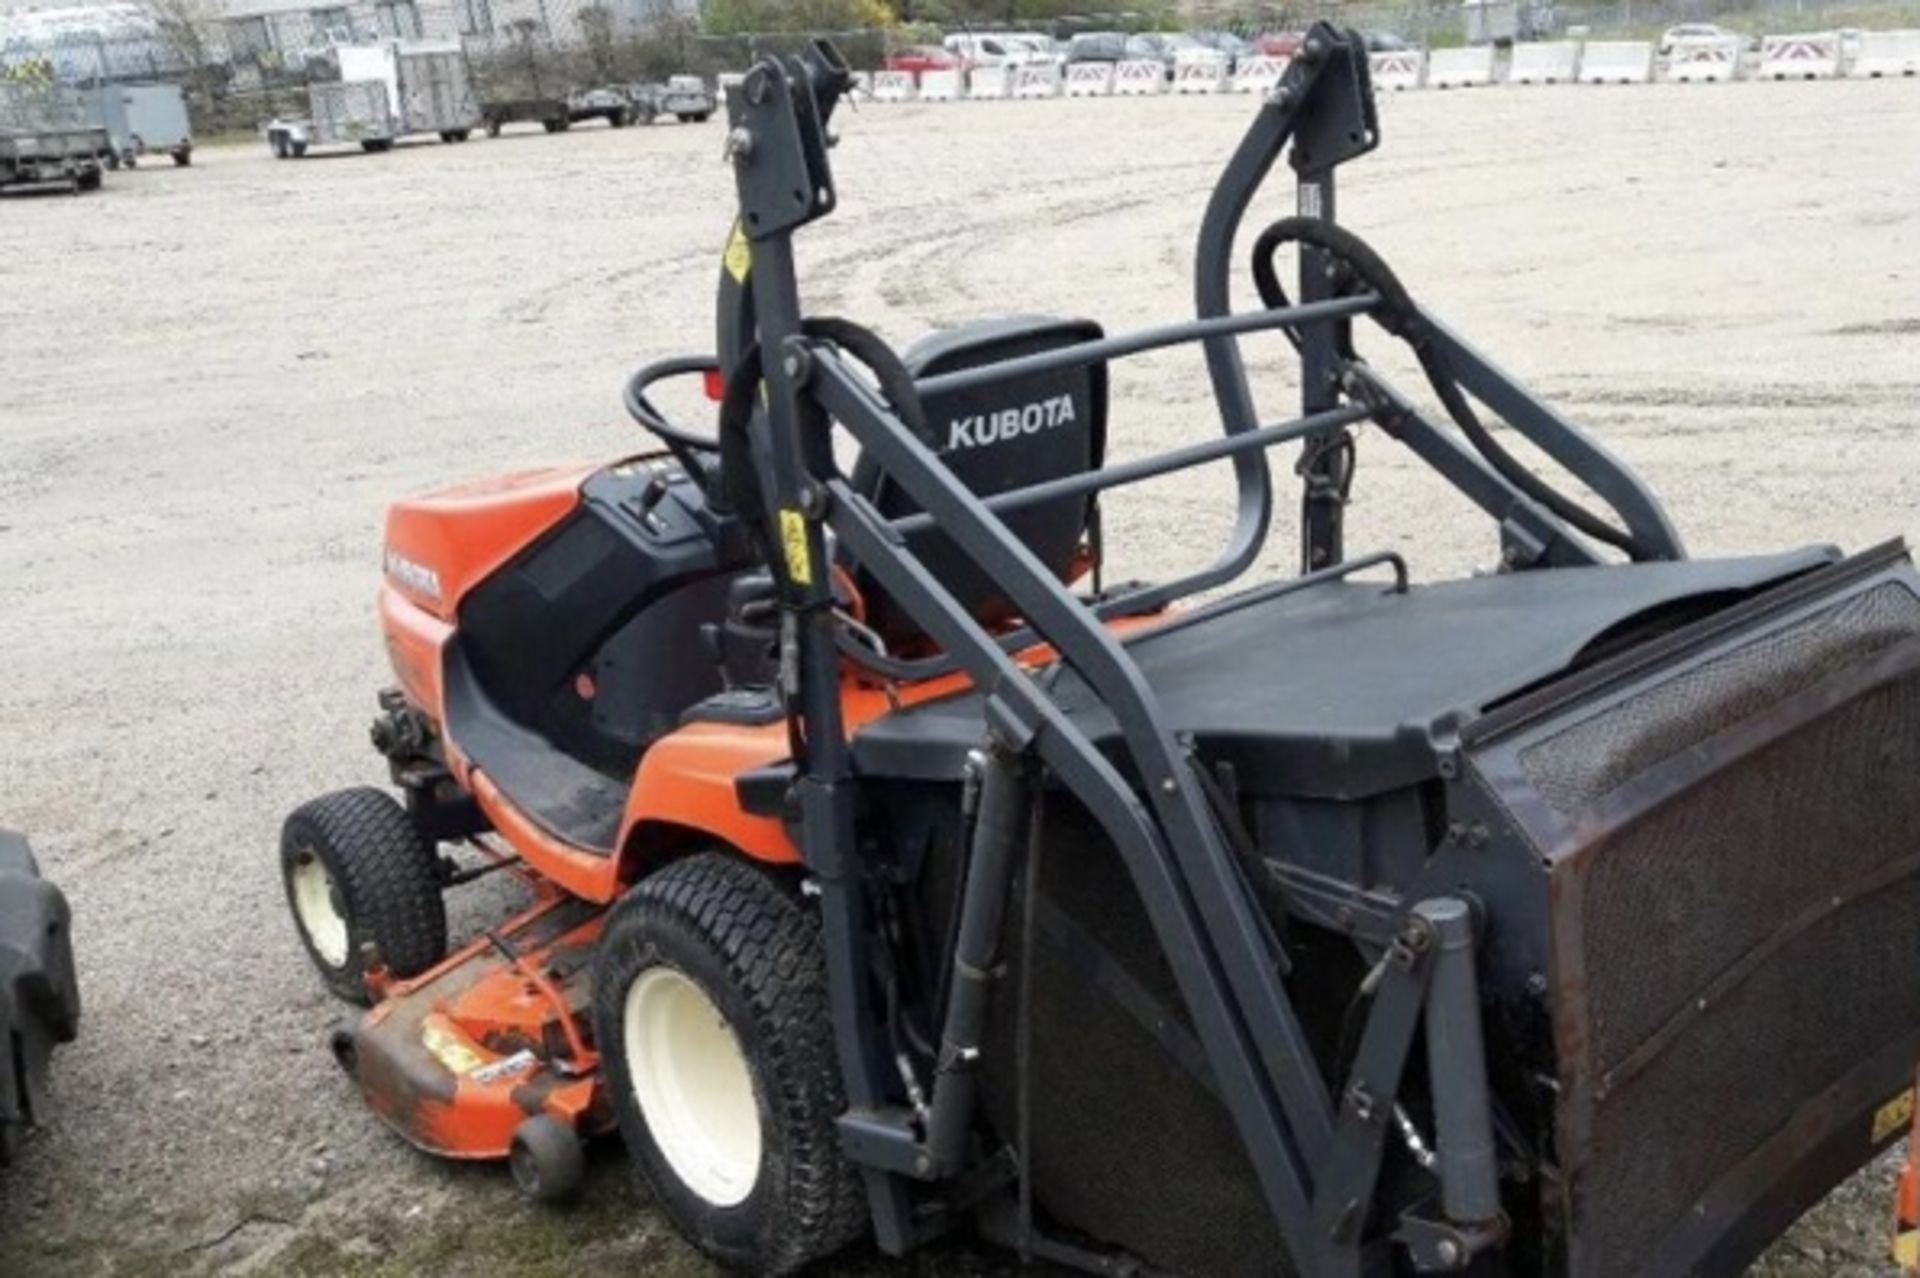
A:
(992, 50)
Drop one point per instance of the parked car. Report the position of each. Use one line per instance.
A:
(1225, 42)
(1279, 44)
(685, 97)
(1693, 31)
(1384, 42)
(921, 58)
(1097, 46)
(1168, 47)
(992, 50)
(1044, 48)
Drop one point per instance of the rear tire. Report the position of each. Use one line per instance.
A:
(183, 158)
(710, 1009)
(358, 871)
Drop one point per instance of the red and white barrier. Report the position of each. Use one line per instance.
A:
(1089, 79)
(1812, 56)
(1616, 62)
(1400, 69)
(1036, 80)
(1259, 74)
(988, 83)
(1139, 78)
(940, 86)
(893, 86)
(1200, 75)
(1704, 59)
(1460, 68)
(1547, 62)
(1886, 53)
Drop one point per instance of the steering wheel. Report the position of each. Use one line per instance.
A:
(695, 452)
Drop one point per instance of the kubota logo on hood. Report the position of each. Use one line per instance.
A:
(983, 429)
(418, 578)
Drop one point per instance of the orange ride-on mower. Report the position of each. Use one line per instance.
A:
(900, 867)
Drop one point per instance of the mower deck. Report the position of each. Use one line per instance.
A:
(457, 1059)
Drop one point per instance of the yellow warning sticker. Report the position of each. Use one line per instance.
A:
(1906, 1249)
(739, 255)
(447, 1048)
(1895, 1115)
(793, 537)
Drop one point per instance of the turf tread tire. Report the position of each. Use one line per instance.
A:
(388, 874)
(807, 1202)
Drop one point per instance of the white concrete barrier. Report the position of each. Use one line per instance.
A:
(988, 82)
(1546, 62)
(1460, 68)
(1259, 74)
(1401, 69)
(940, 86)
(1616, 62)
(1090, 79)
(1139, 78)
(1036, 80)
(893, 86)
(1810, 56)
(1886, 53)
(861, 91)
(1200, 75)
(727, 80)
(1705, 59)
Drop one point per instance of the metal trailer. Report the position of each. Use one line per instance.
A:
(387, 91)
(427, 84)
(339, 114)
(46, 139)
(550, 113)
(142, 119)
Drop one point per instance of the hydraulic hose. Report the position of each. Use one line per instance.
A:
(740, 490)
(1398, 314)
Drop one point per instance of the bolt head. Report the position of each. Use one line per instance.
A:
(1450, 1253)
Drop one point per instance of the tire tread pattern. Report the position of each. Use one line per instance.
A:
(386, 869)
(771, 948)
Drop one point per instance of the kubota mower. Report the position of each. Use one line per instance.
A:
(900, 866)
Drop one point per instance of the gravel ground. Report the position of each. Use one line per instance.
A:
(216, 377)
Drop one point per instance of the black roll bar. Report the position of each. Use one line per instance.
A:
(1123, 473)
(1081, 354)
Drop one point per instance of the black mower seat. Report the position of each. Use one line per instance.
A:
(1335, 692)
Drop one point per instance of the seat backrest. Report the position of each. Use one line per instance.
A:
(1004, 435)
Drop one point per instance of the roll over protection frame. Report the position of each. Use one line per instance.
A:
(1316, 1150)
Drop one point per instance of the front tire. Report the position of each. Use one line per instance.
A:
(710, 1009)
(358, 871)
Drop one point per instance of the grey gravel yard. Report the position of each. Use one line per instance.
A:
(214, 378)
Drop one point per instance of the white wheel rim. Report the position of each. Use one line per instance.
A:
(315, 904)
(691, 1081)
